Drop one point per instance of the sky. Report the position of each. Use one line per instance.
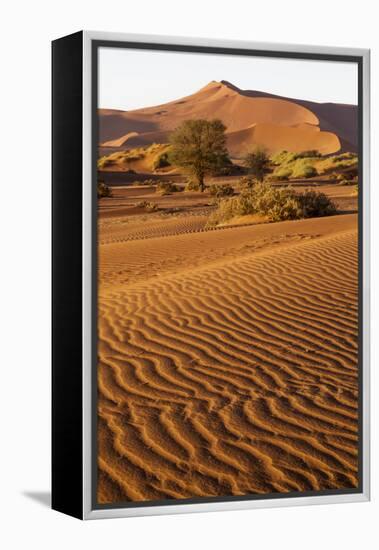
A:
(131, 79)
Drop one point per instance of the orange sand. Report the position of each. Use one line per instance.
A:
(227, 358)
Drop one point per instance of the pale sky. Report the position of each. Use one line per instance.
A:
(131, 79)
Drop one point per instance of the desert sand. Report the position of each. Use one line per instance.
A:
(227, 357)
(250, 117)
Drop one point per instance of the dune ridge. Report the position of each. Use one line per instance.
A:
(240, 111)
(234, 376)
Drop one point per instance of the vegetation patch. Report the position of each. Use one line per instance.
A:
(155, 156)
(352, 181)
(283, 173)
(192, 185)
(303, 169)
(310, 163)
(246, 182)
(224, 190)
(167, 187)
(257, 163)
(147, 205)
(273, 203)
(162, 161)
(199, 146)
(103, 190)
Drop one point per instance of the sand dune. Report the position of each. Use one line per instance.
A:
(274, 137)
(228, 361)
(239, 110)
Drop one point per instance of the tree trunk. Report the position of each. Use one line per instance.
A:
(201, 183)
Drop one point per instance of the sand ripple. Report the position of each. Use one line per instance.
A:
(232, 378)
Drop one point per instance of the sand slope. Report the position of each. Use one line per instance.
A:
(228, 362)
(239, 110)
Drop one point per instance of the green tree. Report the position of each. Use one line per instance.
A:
(258, 163)
(200, 146)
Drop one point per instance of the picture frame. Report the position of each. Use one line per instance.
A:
(76, 453)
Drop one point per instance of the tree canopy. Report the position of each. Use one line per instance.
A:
(200, 146)
(258, 163)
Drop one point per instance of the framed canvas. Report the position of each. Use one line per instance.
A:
(210, 275)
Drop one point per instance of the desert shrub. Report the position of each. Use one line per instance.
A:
(345, 163)
(162, 161)
(192, 185)
(274, 203)
(131, 156)
(167, 187)
(302, 169)
(103, 190)
(147, 205)
(281, 174)
(285, 157)
(224, 190)
(246, 182)
(257, 162)
(333, 176)
(223, 167)
(103, 162)
(282, 157)
(346, 181)
(345, 157)
(316, 204)
(262, 199)
(352, 172)
(312, 153)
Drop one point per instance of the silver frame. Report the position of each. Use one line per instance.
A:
(88, 512)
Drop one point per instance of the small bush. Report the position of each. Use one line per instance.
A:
(312, 153)
(246, 182)
(162, 161)
(302, 169)
(281, 174)
(258, 163)
(333, 176)
(148, 206)
(224, 190)
(104, 162)
(192, 185)
(274, 203)
(344, 157)
(316, 204)
(352, 172)
(103, 190)
(283, 157)
(131, 156)
(348, 182)
(166, 188)
(224, 167)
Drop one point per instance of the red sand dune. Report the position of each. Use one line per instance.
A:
(251, 118)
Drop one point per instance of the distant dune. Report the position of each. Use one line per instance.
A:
(251, 118)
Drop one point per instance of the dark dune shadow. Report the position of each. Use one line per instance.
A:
(41, 497)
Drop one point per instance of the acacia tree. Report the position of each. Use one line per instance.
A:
(258, 163)
(200, 146)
